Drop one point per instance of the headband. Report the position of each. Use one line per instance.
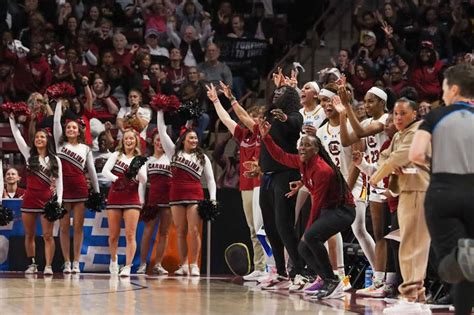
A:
(378, 92)
(315, 86)
(78, 121)
(327, 93)
(46, 130)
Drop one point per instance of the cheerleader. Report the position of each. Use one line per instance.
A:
(372, 129)
(159, 173)
(332, 209)
(124, 200)
(75, 156)
(188, 165)
(44, 170)
(12, 178)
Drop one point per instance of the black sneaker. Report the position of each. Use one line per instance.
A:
(332, 289)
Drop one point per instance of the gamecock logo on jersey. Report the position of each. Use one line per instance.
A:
(371, 142)
(334, 147)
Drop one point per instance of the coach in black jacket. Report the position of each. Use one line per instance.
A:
(277, 210)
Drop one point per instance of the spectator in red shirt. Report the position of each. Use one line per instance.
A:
(249, 140)
(32, 73)
(122, 56)
(176, 71)
(154, 15)
(426, 68)
(99, 104)
(7, 90)
(362, 80)
(395, 80)
(72, 69)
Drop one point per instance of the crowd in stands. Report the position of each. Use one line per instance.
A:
(109, 50)
(118, 55)
(405, 46)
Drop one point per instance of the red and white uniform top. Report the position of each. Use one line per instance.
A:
(374, 143)
(159, 175)
(74, 157)
(114, 169)
(249, 144)
(186, 167)
(38, 179)
(373, 147)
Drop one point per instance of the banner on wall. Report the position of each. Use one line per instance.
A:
(241, 52)
(95, 255)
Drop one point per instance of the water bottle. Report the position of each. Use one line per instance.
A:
(368, 276)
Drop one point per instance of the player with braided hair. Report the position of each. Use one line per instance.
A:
(332, 209)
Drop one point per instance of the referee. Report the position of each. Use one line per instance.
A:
(449, 203)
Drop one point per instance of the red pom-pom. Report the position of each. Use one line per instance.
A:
(18, 109)
(60, 90)
(173, 102)
(164, 102)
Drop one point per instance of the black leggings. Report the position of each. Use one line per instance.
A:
(278, 214)
(311, 247)
(450, 216)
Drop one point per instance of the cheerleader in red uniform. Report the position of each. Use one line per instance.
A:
(44, 170)
(159, 174)
(188, 164)
(12, 178)
(75, 156)
(124, 200)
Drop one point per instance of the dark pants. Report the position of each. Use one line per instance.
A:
(311, 247)
(449, 210)
(278, 214)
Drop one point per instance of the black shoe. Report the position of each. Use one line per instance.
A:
(332, 289)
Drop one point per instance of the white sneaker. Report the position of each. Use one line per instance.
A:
(159, 270)
(183, 270)
(114, 267)
(67, 267)
(298, 284)
(141, 269)
(408, 308)
(254, 275)
(33, 268)
(194, 270)
(48, 271)
(75, 267)
(125, 272)
(277, 283)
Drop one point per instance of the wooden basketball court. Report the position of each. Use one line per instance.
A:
(104, 294)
